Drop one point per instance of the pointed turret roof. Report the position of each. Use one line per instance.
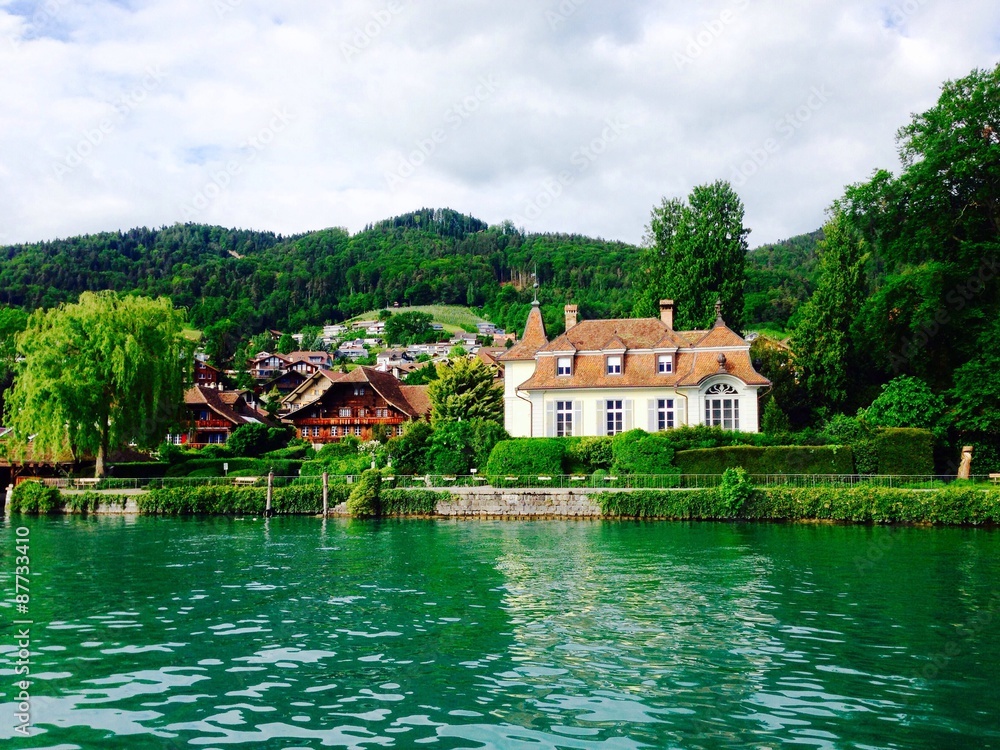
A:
(534, 337)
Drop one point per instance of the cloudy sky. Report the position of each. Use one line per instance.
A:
(560, 115)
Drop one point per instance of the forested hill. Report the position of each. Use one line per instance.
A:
(780, 277)
(251, 280)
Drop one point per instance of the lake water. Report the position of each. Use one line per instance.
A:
(299, 633)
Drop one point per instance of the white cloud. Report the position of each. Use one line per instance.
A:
(300, 117)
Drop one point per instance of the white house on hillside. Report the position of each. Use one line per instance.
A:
(602, 377)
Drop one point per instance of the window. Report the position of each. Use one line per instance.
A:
(564, 418)
(722, 407)
(305, 432)
(399, 429)
(614, 417)
(357, 430)
(614, 365)
(334, 432)
(345, 411)
(664, 364)
(564, 366)
(359, 390)
(664, 414)
(216, 438)
(379, 412)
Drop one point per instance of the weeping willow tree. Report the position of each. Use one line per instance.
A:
(98, 375)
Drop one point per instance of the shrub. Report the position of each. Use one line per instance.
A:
(736, 491)
(590, 453)
(363, 502)
(451, 448)
(256, 438)
(905, 451)
(856, 433)
(639, 452)
(34, 497)
(409, 450)
(486, 435)
(774, 420)
(138, 469)
(346, 446)
(526, 456)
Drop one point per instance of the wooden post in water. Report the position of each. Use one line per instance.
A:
(270, 490)
(326, 494)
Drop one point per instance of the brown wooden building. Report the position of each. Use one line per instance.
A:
(355, 403)
(213, 414)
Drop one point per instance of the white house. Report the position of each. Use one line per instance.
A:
(602, 377)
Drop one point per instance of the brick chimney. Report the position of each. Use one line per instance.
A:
(570, 316)
(667, 313)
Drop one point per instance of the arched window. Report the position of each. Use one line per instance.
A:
(722, 407)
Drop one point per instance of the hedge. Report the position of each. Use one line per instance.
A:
(212, 467)
(640, 452)
(138, 469)
(904, 451)
(34, 497)
(830, 459)
(527, 456)
(225, 500)
(957, 504)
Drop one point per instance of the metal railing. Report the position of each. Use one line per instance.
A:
(589, 482)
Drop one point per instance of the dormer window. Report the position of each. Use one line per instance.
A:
(564, 366)
(664, 364)
(614, 364)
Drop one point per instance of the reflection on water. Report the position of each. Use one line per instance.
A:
(165, 633)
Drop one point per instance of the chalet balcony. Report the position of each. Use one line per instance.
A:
(348, 421)
(212, 424)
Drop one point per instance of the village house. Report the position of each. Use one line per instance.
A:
(353, 404)
(205, 374)
(213, 413)
(267, 365)
(602, 377)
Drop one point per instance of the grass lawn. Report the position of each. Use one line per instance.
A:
(452, 317)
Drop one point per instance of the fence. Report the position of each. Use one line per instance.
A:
(588, 482)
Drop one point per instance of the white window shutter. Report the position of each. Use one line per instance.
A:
(550, 419)
(577, 418)
(602, 417)
(628, 415)
(651, 404)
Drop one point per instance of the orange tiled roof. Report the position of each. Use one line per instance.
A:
(534, 337)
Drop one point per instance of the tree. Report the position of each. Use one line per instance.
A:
(906, 401)
(464, 390)
(409, 328)
(825, 340)
(98, 375)
(255, 438)
(12, 322)
(935, 229)
(286, 344)
(695, 254)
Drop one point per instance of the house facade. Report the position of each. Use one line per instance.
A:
(213, 413)
(602, 377)
(354, 404)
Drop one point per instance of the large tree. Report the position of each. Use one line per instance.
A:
(695, 253)
(99, 374)
(935, 231)
(464, 390)
(825, 342)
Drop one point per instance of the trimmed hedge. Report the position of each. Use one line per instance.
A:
(527, 456)
(903, 451)
(640, 452)
(830, 459)
(212, 467)
(950, 505)
(138, 470)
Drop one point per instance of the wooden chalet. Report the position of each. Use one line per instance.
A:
(353, 404)
(213, 414)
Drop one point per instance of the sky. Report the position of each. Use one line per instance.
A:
(574, 116)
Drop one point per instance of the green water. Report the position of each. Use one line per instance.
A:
(295, 633)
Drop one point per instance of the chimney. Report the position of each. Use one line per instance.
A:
(667, 313)
(570, 316)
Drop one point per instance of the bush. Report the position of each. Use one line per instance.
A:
(257, 466)
(903, 451)
(736, 491)
(485, 437)
(526, 456)
(856, 433)
(451, 448)
(256, 438)
(363, 502)
(34, 497)
(409, 450)
(835, 459)
(346, 446)
(639, 452)
(228, 500)
(138, 469)
(589, 454)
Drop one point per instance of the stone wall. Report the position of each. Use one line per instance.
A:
(520, 504)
